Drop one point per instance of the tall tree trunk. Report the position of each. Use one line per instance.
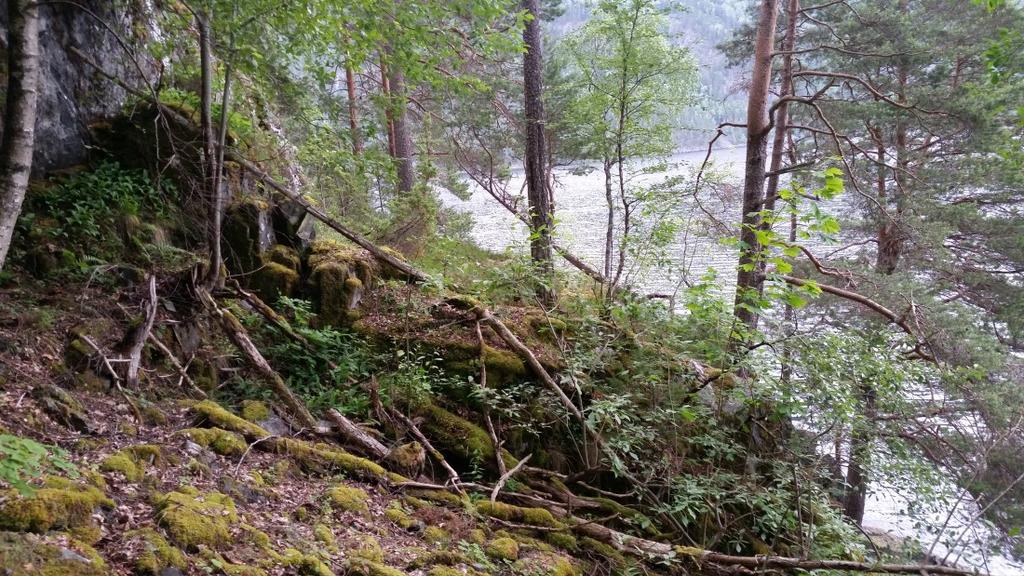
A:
(536, 153)
(353, 108)
(19, 115)
(214, 279)
(782, 112)
(385, 88)
(891, 237)
(860, 453)
(210, 194)
(403, 153)
(748, 276)
(609, 238)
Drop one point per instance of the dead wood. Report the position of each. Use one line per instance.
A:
(238, 335)
(182, 372)
(356, 435)
(140, 335)
(505, 476)
(453, 476)
(115, 377)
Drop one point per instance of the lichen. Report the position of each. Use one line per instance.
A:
(255, 410)
(222, 418)
(62, 504)
(510, 513)
(157, 554)
(194, 520)
(349, 499)
(223, 442)
(503, 549)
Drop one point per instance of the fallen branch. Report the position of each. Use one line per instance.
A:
(182, 372)
(116, 378)
(240, 338)
(140, 335)
(504, 477)
(453, 476)
(487, 411)
(353, 433)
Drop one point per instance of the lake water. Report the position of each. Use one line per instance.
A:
(581, 215)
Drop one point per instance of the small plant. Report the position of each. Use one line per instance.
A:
(23, 460)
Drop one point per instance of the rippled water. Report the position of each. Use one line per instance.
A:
(581, 214)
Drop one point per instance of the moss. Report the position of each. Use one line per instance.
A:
(153, 415)
(439, 497)
(255, 410)
(285, 256)
(221, 441)
(439, 557)
(259, 538)
(458, 436)
(477, 536)
(324, 535)
(349, 499)
(408, 458)
(436, 535)
(396, 514)
(562, 539)
(88, 534)
(361, 567)
(28, 554)
(306, 564)
(273, 280)
(503, 549)
(561, 566)
(369, 549)
(324, 458)
(605, 550)
(62, 504)
(507, 512)
(444, 571)
(219, 416)
(194, 520)
(547, 565)
(157, 554)
(123, 463)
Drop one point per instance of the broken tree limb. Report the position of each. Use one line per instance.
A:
(453, 476)
(355, 434)
(505, 476)
(182, 372)
(115, 377)
(140, 335)
(240, 338)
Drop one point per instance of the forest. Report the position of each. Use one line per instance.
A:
(511, 287)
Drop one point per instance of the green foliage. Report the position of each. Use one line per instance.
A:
(324, 372)
(23, 460)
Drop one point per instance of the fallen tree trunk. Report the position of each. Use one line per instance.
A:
(353, 433)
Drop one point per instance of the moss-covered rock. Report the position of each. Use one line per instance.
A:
(503, 549)
(407, 459)
(439, 558)
(157, 554)
(320, 458)
(210, 411)
(305, 564)
(531, 516)
(338, 278)
(61, 504)
(247, 233)
(467, 443)
(194, 519)
(361, 567)
(272, 281)
(132, 461)
(349, 499)
(324, 535)
(563, 539)
(396, 514)
(369, 549)
(221, 441)
(285, 256)
(30, 555)
(436, 535)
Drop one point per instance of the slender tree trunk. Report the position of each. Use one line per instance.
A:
(782, 112)
(748, 276)
(385, 88)
(209, 164)
(19, 115)
(609, 238)
(891, 238)
(214, 279)
(536, 153)
(403, 153)
(860, 453)
(353, 108)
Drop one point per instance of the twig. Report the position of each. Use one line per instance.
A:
(504, 477)
(115, 376)
(452, 474)
(141, 335)
(177, 365)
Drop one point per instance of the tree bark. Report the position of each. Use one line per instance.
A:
(19, 115)
(860, 453)
(209, 184)
(353, 108)
(403, 152)
(748, 276)
(536, 153)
